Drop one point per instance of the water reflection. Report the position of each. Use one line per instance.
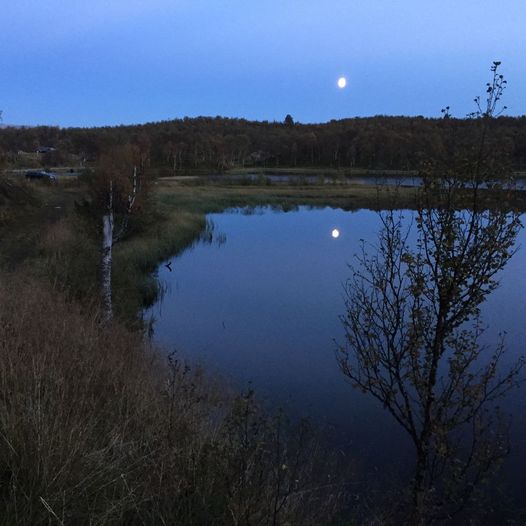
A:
(265, 306)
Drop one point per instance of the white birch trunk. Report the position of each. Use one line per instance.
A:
(109, 237)
(131, 198)
(106, 263)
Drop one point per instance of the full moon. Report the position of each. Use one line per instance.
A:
(335, 233)
(342, 82)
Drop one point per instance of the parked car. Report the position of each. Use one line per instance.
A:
(42, 175)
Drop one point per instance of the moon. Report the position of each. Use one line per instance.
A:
(335, 233)
(342, 82)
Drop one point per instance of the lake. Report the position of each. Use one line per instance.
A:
(261, 305)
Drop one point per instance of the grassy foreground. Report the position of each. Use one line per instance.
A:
(98, 427)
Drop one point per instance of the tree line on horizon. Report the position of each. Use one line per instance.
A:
(218, 143)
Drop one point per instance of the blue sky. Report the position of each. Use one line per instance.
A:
(83, 63)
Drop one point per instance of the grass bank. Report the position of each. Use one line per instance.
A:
(98, 427)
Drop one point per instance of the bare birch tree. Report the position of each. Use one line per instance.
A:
(115, 187)
(413, 327)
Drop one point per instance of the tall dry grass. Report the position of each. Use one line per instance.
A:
(97, 428)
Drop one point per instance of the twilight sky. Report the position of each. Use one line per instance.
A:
(94, 62)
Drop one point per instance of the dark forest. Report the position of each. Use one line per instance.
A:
(219, 144)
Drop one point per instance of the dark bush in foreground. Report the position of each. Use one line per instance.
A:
(98, 428)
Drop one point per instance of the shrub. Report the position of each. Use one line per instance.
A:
(97, 427)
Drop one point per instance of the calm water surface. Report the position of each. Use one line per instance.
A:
(263, 306)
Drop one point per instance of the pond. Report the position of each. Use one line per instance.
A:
(261, 304)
